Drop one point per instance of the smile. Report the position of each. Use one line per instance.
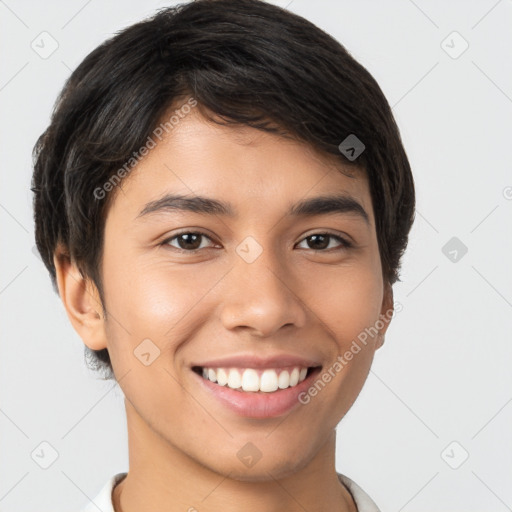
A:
(267, 380)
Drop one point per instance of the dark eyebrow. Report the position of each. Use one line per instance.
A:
(329, 204)
(195, 204)
(309, 207)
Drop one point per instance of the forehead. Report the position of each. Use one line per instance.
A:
(244, 166)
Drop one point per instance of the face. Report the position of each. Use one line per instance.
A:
(251, 278)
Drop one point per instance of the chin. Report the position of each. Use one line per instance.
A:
(263, 470)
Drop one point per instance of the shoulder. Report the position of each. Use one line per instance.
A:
(363, 502)
(103, 500)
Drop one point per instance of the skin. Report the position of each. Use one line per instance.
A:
(209, 304)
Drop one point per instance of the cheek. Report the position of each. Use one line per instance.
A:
(347, 305)
(152, 300)
(348, 300)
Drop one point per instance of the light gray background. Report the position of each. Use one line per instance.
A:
(444, 373)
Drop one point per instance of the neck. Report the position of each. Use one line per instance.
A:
(163, 477)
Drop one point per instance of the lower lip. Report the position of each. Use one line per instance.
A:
(259, 404)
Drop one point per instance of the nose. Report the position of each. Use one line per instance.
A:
(260, 297)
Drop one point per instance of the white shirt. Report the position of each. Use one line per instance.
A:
(103, 501)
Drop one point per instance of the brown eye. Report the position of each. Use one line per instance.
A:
(321, 241)
(318, 241)
(188, 241)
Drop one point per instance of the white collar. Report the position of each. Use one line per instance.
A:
(103, 501)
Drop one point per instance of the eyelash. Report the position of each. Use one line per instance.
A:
(345, 244)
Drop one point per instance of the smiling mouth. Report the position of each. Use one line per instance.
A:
(257, 380)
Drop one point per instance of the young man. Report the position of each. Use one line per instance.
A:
(222, 199)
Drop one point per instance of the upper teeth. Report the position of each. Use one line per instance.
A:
(250, 380)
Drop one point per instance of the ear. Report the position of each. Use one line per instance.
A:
(386, 314)
(82, 301)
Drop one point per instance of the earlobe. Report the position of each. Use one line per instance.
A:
(386, 314)
(81, 299)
